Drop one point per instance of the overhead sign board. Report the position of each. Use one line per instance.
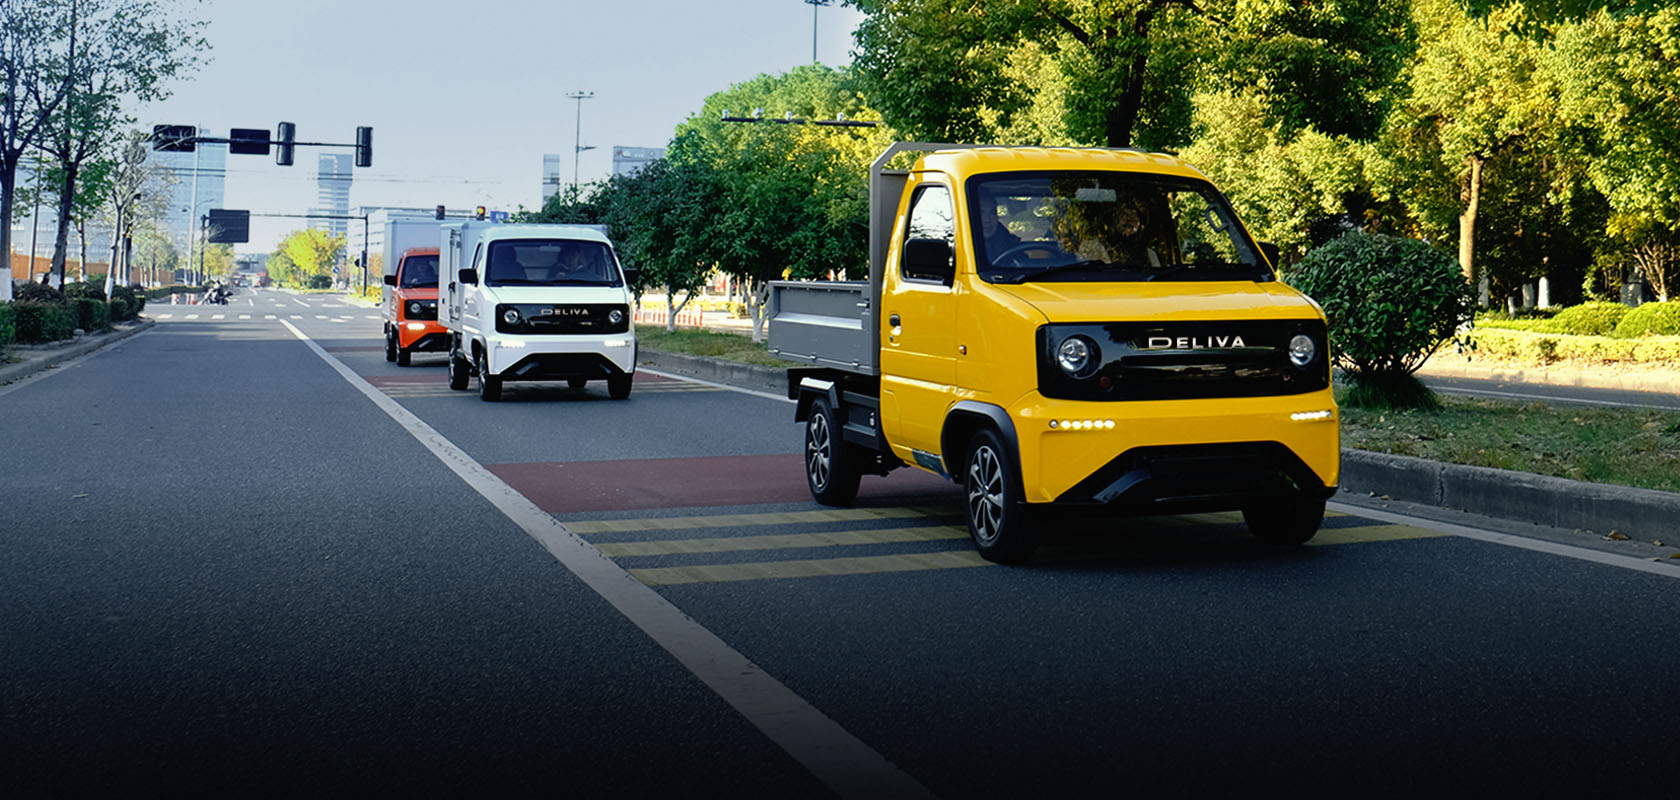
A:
(229, 226)
(248, 141)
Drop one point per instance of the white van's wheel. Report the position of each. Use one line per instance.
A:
(997, 519)
(489, 386)
(618, 386)
(458, 370)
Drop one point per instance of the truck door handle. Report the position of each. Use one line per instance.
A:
(893, 320)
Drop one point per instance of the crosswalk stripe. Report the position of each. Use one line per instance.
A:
(268, 316)
(166, 316)
(320, 316)
(735, 544)
(244, 316)
(191, 316)
(595, 526)
(297, 316)
(809, 568)
(218, 316)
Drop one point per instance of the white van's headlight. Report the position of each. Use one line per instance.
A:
(615, 316)
(511, 316)
(1302, 350)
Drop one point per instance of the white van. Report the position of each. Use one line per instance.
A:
(535, 303)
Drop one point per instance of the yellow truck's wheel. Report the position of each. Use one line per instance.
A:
(1285, 524)
(997, 519)
(832, 470)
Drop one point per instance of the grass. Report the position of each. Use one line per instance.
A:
(1627, 447)
(708, 344)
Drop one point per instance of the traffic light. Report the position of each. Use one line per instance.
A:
(364, 146)
(440, 212)
(174, 138)
(478, 213)
(285, 134)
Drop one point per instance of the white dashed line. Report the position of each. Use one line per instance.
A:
(244, 316)
(192, 316)
(218, 316)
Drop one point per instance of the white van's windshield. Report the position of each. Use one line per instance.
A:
(550, 262)
(1106, 226)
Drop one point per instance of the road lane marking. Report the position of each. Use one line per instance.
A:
(769, 570)
(269, 316)
(320, 316)
(297, 316)
(1520, 542)
(786, 541)
(723, 386)
(1547, 398)
(166, 316)
(1371, 533)
(587, 527)
(844, 763)
(244, 316)
(191, 316)
(218, 316)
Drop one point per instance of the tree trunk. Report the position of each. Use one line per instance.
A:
(8, 183)
(66, 204)
(758, 296)
(1472, 197)
(1122, 117)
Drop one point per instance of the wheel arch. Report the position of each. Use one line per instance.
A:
(962, 421)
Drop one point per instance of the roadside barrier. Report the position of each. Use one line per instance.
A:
(687, 318)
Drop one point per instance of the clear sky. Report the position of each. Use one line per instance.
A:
(466, 97)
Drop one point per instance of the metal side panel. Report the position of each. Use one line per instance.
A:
(828, 323)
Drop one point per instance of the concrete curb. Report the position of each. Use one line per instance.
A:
(38, 358)
(1519, 496)
(1523, 496)
(733, 373)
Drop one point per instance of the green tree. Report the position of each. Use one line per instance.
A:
(282, 270)
(955, 71)
(31, 39)
(312, 252)
(117, 52)
(219, 261)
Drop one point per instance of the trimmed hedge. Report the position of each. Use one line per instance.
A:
(1508, 345)
(40, 322)
(87, 289)
(1587, 319)
(1650, 319)
(91, 315)
(132, 303)
(30, 290)
(8, 324)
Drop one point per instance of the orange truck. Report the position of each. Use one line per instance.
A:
(411, 307)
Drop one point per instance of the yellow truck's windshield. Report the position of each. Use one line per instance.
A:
(1106, 226)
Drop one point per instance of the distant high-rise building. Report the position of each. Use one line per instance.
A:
(332, 192)
(550, 176)
(629, 159)
(208, 163)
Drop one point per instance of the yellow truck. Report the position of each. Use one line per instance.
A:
(1064, 327)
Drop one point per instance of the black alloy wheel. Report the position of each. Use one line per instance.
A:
(997, 518)
(489, 386)
(832, 469)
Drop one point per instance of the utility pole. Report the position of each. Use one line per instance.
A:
(577, 136)
(815, 4)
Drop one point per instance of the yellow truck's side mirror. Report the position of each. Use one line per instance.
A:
(929, 260)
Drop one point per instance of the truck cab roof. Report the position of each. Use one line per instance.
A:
(960, 162)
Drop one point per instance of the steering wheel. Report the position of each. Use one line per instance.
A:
(1024, 247)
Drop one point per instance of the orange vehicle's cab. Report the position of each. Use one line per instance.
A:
(410, 307)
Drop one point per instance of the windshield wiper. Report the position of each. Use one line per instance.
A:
(1077, 266)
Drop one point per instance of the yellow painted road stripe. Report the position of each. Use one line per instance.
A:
(1372, 533)
(765, 570)
(586, 527)
(732, 544)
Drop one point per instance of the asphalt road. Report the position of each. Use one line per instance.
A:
(231, 568)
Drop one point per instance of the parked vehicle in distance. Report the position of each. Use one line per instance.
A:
(410, 307)
(533, 302)
(1064, 327)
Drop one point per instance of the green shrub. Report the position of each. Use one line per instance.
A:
(119, 310)
(91, 315)
(39, 321)
(88, 289)
(319, 282)
(1588, 319)
(8, 324)
(132, 302)
(30, 290)
(1391, 302)
(1660, 319)
(1529, 348)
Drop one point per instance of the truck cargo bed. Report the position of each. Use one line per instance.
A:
(826, 323)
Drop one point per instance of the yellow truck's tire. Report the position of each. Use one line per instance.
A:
(997, 519)
(832, 468)
(1285, 524)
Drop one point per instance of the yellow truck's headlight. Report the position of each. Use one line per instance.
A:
(1077, 356)
(1302, 350)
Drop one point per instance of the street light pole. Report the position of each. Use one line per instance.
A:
(577, 136)
(815, 4)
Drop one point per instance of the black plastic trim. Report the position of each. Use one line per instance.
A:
(1201, 477)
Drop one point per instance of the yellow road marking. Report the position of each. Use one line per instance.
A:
(586, 527)
(731, 544)
(765, 570)
(1372, 533)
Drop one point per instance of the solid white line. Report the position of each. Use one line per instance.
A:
(1549, 398)
(1521, 542)
(840, 760)
(753, 392)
